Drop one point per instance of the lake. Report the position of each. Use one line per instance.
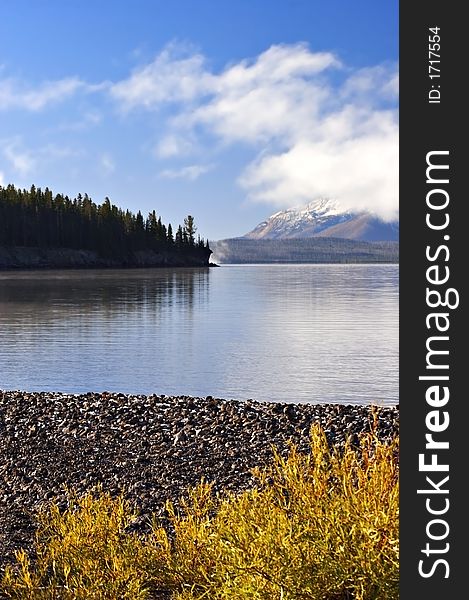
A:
(290, 333)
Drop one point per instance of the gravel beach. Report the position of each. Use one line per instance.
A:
(150, 447)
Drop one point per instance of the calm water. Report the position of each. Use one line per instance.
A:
(308, 333)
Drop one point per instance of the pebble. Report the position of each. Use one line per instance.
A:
(150, 447)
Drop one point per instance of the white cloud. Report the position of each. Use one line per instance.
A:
(266, 112)
(278, 63)
(190, 172)
(369, 82)
(27, 161)
(317, 126)
(107, 165)
(168, 78)
(362, 174)
(249, 101)
(22, 161)
(391, 87)
(271, 98)
(14, 94)
(173, 145)
(2, 178)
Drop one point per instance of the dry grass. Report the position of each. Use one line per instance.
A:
(322, 526)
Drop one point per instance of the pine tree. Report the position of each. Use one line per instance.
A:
(179, 237)
(190, 229)
(169, 235)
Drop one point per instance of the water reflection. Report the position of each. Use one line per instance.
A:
(54, 293)
(272, 332)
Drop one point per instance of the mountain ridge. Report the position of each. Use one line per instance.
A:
(324, 217)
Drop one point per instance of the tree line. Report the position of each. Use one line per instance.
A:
(38, 218)
(304, 250)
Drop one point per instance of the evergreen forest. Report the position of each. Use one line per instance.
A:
(38, 218)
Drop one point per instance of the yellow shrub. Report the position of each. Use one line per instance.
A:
(322, 526)
(82, 553)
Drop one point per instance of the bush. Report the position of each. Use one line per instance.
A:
(321, 526)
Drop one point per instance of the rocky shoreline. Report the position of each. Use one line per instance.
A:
(14, 258)
(150, 447)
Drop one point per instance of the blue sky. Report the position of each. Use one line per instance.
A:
(225, 110)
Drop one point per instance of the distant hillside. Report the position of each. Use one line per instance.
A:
(324, 218)
(303, 250)
(365, 228)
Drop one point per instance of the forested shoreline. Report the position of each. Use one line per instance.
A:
(303, 250)
(105, 234)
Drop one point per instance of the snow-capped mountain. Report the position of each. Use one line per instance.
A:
(324, 218)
